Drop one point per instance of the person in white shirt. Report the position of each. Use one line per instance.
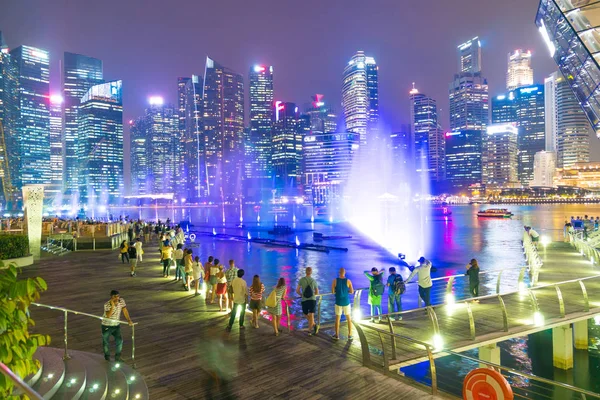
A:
(138, 254)
(240, 297)
(425, 284)
(197, 273)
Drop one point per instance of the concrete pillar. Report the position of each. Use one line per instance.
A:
(581, 335)
(489, 353)
(562, 346)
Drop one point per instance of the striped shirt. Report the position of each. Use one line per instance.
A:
(114, 319)
(257, 295)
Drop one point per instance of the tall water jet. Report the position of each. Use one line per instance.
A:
(385, 200)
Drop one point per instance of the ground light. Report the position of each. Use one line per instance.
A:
(450, 300)
(545, 240)
(117, 391)
(95, 386)
(438, 342)
(117, 365)
(73, 381)
(357, 314)
(538, 319)
(132, 378)
(138, 396)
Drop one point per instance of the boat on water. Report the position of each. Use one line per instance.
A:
(495, 213)
(441, 212)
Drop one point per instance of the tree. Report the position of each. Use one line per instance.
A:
(17, 345)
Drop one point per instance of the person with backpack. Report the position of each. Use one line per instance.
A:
(342, 287)
(376, 288)
(425, 284)
(132, 252)
(274, 304)
(473, 273)
(308, 289)
(396, 288)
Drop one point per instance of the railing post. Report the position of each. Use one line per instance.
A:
(318, 323)
(471, 320)
(449, 285)
(432, 370)
(66, 355)
(391, 326)
(504, 313)
(386, 363)
(364, 345)
(133, 346)
(498, 283)
(586, 299)
(561, 302)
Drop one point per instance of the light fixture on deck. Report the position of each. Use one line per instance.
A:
(538, 319)
(437, 341)
(357, 314)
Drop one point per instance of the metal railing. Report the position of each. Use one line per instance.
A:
(19, 383)
(437, 380)
(59, 244)
(585, 248)
(532, 257)
(66, 312)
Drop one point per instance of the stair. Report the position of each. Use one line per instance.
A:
(85, 376)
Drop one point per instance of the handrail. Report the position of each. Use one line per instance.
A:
(32, 394)
(66, 311)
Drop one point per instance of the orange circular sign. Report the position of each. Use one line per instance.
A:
(486, 384)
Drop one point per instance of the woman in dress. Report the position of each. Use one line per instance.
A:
(214, 270)
(197, 273)
(221, 287)
(187, 262)
(256, 294)
(281, 291)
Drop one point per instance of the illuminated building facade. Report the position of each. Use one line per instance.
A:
(327, 164)
(287, 146)
(360, 96)
(519, 72)
(500, 154)
(469, 98)
(464, 158)
(56, 147)
(532, 129)
(100, 143)
(571, 31)
(258, 148)
(164, 146)
(9, 155)
(504, 110)
(402, 145)
(428, 136)
(322, 116)
(223, 126)
(469, 56)
(567, 127)
(190, 174)
(581, 175)
(32, 162)
(544, 165)
(80, 73)
(140, 156)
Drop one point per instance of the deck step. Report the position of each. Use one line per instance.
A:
(96, 387)
(53, 372)
(75, 380)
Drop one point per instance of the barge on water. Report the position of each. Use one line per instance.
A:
(494, 213)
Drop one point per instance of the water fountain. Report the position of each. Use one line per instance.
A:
(385, 201)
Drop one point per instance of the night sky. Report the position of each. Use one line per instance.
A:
(149, 43)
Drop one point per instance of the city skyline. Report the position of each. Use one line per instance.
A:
(296, 78)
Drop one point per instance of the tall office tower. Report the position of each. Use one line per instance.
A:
(257, 149)
(327, 164)
(360, 96)
(163, 147)
(182, 174)
(464, 158)
(570, 29)
(141, 178)
(469, 56)
(190, 168)
(567, 127)
(504, 109)
(79, 74)
(428, 136)
(402, 145)
(9, 155)
(100, 144)
(519, 72)
(501, 157)
(469, 102)
(33, 116)
(544, 166)
(532, 131)
(223, 122)
(287, 147)
(56, 146)
(322, 116)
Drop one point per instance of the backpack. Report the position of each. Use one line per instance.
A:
(377, 287)
(272, 299)
(308, 291)
(398, 286)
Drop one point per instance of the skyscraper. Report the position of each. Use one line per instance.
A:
(322, 116)
(141, 179)
(469, 102)
(257, 149)
(531, 124)
(164, 146)
(56, 146)
(428, 136)
(570, 29)
(32, 163)
(100, 143)
(80, 73)
(469, 56)
(519, 71)
(544, 166)
(504, 108)
(464, 158)
(402, 144)
(223, 122)
(567, 127)
(287, 147)
(360, 96)
(191, 145)
(501, 156)
(9, 155)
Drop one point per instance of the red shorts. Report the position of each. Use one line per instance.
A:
(221, 288)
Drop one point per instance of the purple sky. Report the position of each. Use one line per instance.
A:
(149, 43)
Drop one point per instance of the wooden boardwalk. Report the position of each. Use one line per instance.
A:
(181, 342)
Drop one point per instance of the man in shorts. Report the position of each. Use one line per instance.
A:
(308, 289)
(342, 287)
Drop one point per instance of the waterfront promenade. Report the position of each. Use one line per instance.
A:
(180, 340)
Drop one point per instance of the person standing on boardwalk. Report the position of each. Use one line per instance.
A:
(425, 284)
(240, 296)
(342, 287)
(124, 250)
(221, 289)
(207, 268)
(198, 274)
(165, 257)
(376, 289)
(396, 288)
(256, 294)
(111, 325)
(231, 274)
(188, 261)
(473, 273)
(280, 293)
(308, 289)
(132, 253)
(138, 255)
(179, 262)
(214, 279)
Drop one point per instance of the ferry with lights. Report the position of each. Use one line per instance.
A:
(494, 213)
